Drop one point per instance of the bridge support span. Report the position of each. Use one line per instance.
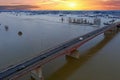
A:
(111, 31)
(37, 74)
(75, 54)
(118, 27)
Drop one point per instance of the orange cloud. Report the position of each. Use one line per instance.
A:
(65, 4)
(18, 7)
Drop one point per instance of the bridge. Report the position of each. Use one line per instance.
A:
(35, 64)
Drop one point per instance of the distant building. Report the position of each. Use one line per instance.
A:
(97, 21)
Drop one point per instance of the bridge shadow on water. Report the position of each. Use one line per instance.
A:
(73, 65)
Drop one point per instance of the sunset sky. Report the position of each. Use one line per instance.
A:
(60, 4)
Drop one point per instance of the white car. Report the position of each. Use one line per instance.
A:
(81, 38)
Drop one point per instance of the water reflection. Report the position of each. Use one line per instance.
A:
(73, 65)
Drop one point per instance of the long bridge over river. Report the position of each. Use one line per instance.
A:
(35, 64)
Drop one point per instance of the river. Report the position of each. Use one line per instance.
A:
(99, 58)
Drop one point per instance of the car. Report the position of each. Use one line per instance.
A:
(21, 67)
(81, 38)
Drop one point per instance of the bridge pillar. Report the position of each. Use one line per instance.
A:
(118, 27)
(113, 30)
(37, 74)
(74, 54)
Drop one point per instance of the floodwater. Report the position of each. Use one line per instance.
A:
(37, 35)
(99, 58)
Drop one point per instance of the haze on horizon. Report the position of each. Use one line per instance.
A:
(59, 4)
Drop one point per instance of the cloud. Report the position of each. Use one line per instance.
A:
(110, 4)
(46, 2)
(18, 7)
(58, 4)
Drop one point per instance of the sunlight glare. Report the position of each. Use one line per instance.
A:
(72, 4)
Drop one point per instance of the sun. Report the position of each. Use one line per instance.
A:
(72, 4)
